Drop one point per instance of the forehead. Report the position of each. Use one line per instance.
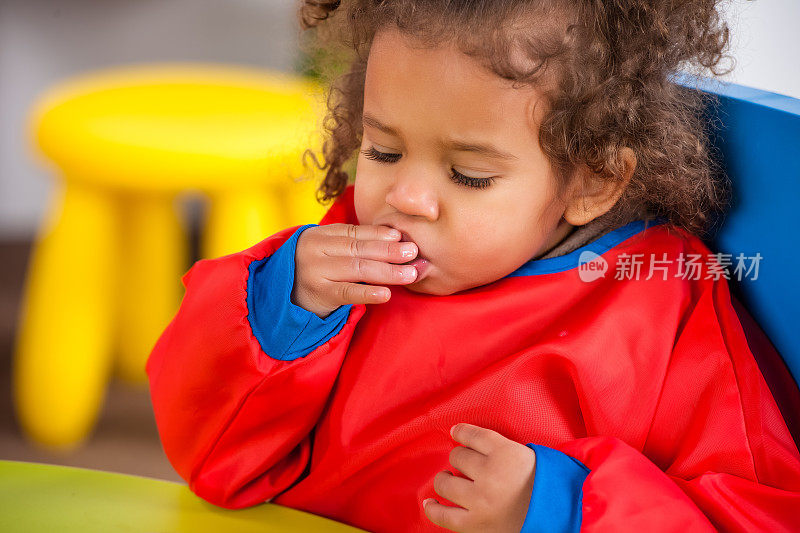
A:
(420, 88)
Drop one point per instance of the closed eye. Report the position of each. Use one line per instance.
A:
(383, 157)
(457, 177)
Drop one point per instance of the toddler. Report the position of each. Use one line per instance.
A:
(493, 329)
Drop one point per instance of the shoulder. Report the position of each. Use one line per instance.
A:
(668, 259)
(674, 252)
(638, 245)
(651, 266)
(663, 237)
(342, 210)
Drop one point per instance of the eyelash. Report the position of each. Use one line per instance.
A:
(382, 157)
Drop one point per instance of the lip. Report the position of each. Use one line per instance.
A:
(422, 265)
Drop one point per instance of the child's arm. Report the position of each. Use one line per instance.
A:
(239, 377)
(241, 374)
(235, 416)
(718, 453)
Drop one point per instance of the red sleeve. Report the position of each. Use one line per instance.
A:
(718, 453)
(235, 423)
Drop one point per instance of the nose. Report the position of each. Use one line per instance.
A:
(414, 196)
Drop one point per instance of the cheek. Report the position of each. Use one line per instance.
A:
(536, 212)
(513, 235)
(362, 211)
(480, 242)
(366, 198)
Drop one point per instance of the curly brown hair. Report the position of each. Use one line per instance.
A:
(607, 70)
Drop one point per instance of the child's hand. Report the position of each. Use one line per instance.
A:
(497, 495)
(331, 259)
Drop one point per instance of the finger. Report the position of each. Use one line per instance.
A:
(355, 293)
(467, 461)
(452, 518)
(393, 252)
(368, 271)
(361, 231)
(456, 489)
(479, 439)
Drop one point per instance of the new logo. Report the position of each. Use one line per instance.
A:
(591, 266)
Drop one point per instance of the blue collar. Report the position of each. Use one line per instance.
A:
(598, 246)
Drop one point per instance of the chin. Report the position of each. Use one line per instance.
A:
(429, 286)
(421, 288)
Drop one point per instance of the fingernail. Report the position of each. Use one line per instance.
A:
(452, 430)
(407, 250)
(393, 234)
(425, 501)
(383, 294)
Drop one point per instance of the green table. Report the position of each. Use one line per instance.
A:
(48, 498)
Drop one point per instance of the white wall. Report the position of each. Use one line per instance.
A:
(42, 41)
(766, 44)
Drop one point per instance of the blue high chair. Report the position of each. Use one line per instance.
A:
(757, 134)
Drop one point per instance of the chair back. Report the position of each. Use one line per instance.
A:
(756, 135)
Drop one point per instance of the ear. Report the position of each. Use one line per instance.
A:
(591, 195)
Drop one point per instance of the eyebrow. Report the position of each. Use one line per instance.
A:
(485, 149)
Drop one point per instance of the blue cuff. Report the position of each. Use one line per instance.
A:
(284, 330)
(557, 492)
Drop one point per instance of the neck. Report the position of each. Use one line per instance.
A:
(562, 231)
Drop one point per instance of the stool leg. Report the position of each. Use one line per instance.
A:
(62, 356)
(153, 257)
(240, 219)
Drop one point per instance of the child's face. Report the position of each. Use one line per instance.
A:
(422, 106)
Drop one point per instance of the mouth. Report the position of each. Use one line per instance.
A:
(420, 262)
(422, 265)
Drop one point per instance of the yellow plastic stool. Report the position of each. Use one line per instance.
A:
(104, 276)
